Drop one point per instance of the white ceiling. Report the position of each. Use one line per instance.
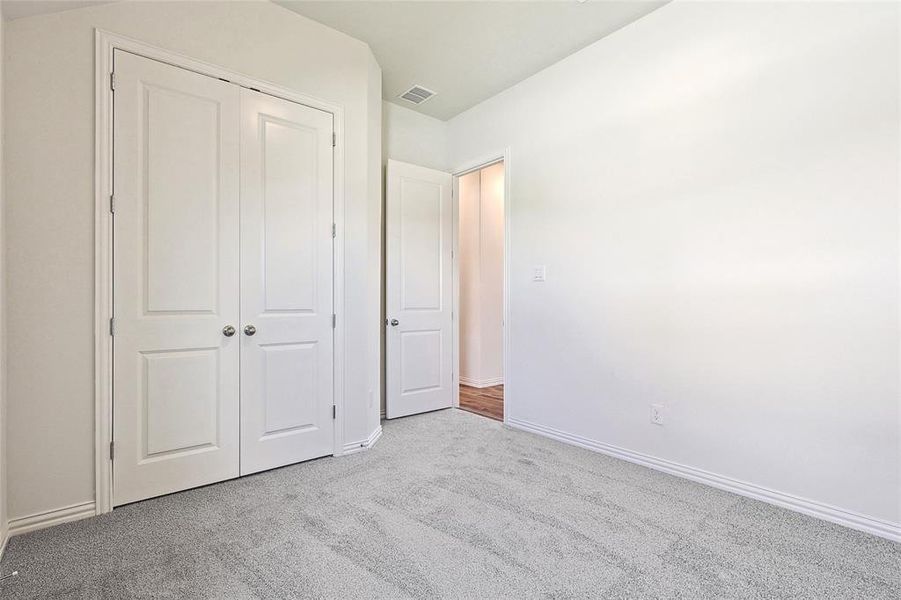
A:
(469, 51)
(18, 9)
(466, 51)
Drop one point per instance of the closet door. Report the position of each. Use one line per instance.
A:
(286, 283)
(175, 382)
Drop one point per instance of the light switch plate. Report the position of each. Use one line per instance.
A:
(539, 273)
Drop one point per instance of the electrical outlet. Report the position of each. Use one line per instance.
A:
(657, 414)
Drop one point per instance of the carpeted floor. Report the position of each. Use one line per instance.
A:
(452, 505)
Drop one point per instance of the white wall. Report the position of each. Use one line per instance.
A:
(49, 167)
(481, 260)
(412, 137)
(714, 191)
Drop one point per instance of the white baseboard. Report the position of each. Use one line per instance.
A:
(374, 437)
(354, 447)
(482, 383)
(4, 538)
(364, 444)
(833, 514)
(51, 517)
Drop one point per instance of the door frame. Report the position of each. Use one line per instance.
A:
(468, 167)
(105, 43)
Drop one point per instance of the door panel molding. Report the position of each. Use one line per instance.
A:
(105, 43)
(176, 167)
(286, 283)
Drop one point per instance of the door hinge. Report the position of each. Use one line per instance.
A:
(112, 451)
(334, 230)
(112, 203)
(334, 411)
(112, 81)
(334, 320)
(112, 327)
(334, 139)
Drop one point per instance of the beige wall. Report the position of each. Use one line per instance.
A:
(481, 240)
(492, 274)
(3, 485)
(49, 124)
(469, 192)
(374, 320)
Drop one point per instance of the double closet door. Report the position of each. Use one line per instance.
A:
(223, 280)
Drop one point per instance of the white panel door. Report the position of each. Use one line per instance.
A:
(175, 382)
(419, 290)
(286, 283)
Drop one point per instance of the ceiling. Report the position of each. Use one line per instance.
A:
(469, 51)
(18, 9)
(466, 51)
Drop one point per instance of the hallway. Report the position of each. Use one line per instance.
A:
(487, 402)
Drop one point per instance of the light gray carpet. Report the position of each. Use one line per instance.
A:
(452, 505)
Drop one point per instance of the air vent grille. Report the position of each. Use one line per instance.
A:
(417, 94)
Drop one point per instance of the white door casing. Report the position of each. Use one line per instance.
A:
(419, 290)
(286, 282)
(175, 381)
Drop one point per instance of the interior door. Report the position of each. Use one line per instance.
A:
(175, 381)
(419, 290)
(287, 412)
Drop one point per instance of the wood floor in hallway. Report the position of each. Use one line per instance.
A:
(488, 402)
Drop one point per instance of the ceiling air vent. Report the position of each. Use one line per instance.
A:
(417, 94)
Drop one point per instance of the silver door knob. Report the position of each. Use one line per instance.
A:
(395, 322)
(250, 330)
(228, 331)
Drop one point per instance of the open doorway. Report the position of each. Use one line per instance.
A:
(446, 237)
(480, 239)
